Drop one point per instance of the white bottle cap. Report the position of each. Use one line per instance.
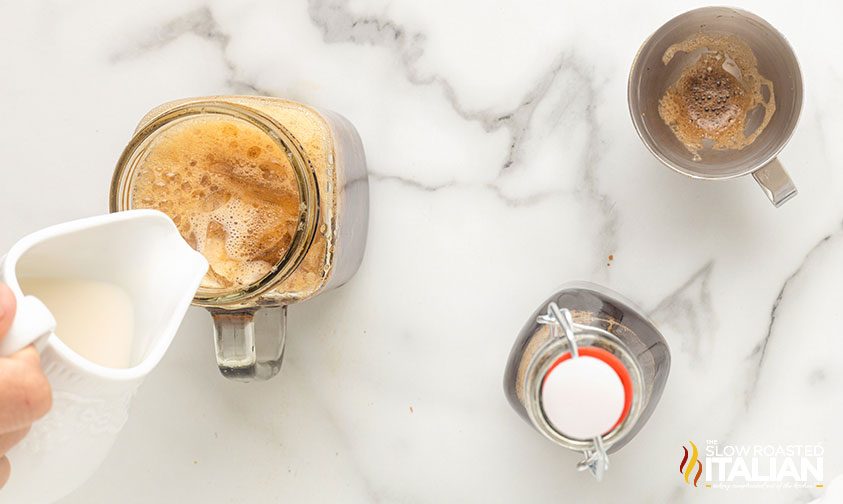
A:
(583, 397)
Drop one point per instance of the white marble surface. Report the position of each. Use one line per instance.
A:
(503, 162)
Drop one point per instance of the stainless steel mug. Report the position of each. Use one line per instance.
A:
(649, 78)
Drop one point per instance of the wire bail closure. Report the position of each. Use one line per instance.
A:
(596, 459)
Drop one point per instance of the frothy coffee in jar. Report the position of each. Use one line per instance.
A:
(231, 191)
(714, 100)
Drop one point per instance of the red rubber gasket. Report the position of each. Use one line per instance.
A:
(616, 365)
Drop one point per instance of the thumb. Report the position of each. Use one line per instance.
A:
(7, 309)
(28, 355)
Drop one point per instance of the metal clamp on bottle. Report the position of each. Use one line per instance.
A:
(596, 460)
(581, 384)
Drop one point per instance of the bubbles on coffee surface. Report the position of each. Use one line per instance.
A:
(717, 100)
(230, 190)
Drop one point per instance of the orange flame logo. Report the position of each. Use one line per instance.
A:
(686, 467)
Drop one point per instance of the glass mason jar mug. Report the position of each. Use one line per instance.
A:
(272, 192)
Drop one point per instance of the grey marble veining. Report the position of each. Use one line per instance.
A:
(502, 164)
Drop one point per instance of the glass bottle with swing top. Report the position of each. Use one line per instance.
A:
(587, 371)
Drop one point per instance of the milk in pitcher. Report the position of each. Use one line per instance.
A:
(95, 319)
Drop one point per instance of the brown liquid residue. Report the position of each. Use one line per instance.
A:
(714, 96)
(229, 189)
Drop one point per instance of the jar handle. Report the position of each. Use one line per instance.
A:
(236, 341)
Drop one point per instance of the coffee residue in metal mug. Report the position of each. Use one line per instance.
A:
(713, 101)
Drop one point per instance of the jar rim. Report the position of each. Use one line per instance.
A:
(308, 190)
(545, 357)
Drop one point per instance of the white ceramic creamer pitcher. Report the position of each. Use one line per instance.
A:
(140, 251)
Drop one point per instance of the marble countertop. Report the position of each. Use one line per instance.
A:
(502, 163)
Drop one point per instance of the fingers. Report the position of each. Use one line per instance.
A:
(5, 470)
(10, 439)
(7, 441)
(25, 393)
(7, 309)
(29, 356)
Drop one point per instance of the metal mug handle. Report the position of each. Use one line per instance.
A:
(775, 182)
(235, 339)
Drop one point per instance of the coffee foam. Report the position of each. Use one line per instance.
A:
(715, 95)
(230, 190)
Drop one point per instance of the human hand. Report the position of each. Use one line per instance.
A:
(25, 394)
